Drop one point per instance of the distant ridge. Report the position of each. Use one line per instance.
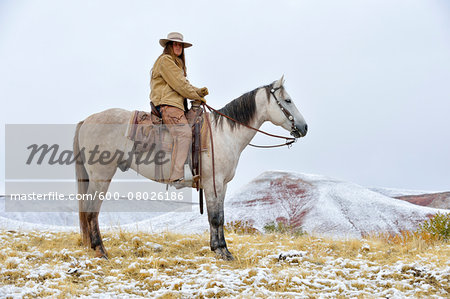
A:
(435, 200)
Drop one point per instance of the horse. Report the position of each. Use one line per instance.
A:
(231, 134)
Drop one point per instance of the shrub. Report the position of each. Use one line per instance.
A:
(282, 228)
(438, 226)
(240, 227)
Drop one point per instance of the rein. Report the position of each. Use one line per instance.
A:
(289, 140)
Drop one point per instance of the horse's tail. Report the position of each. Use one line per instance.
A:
(83, 184)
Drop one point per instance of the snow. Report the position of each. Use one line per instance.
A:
(327, 207)
(321, 205)
(396, 192)
(281, 273)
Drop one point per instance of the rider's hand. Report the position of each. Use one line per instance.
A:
(203, 92)
(203, 100)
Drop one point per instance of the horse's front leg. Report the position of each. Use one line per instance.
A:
(216, 222)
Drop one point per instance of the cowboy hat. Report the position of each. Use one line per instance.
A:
(174, 37)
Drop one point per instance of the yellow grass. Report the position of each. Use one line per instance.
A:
(55, 264)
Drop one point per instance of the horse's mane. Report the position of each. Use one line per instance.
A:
(242, 109)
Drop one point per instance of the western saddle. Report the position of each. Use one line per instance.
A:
(148, 132)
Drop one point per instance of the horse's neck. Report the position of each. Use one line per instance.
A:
(241, 136)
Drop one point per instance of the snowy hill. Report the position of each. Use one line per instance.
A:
(317, 203)
(322, 205)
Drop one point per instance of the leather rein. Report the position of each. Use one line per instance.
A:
(289, 140)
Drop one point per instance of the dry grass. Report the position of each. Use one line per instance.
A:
(174, 265)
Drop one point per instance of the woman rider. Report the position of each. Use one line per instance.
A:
(169, 89)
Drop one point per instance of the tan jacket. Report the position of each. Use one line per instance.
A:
(168, 84)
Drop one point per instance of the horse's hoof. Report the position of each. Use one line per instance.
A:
(224, 254)
(101, 254)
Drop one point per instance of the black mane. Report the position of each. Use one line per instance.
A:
(242, 109)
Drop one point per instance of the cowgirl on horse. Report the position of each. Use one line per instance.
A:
(169, 91)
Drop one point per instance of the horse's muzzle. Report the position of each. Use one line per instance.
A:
(299, 131)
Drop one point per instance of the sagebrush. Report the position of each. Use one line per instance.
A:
(438, 226)
(283, 228)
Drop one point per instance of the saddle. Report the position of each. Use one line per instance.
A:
(148, 133)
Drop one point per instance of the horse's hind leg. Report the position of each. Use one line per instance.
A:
(90, 214)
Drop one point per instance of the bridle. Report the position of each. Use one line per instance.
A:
(285, 111)
(289, 140)
(288, 143)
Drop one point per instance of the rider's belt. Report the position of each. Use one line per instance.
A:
(156, 110)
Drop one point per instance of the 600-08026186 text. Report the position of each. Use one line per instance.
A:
(56, 196)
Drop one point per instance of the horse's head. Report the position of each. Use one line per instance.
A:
(283, 112)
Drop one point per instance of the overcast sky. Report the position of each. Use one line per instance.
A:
(371, 78)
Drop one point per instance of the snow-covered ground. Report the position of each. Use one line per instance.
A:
(321, 205)
(140, 221)
(183, 266)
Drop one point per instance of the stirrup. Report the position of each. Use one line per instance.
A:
(178, 184)
(196, 178)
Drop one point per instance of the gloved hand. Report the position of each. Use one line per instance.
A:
(203, 92)
(203, 100)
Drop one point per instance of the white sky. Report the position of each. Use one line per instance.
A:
(372, 78)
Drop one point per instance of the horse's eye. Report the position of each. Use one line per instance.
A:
(288, 100)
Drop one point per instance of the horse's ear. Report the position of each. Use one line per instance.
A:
(279, 83)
